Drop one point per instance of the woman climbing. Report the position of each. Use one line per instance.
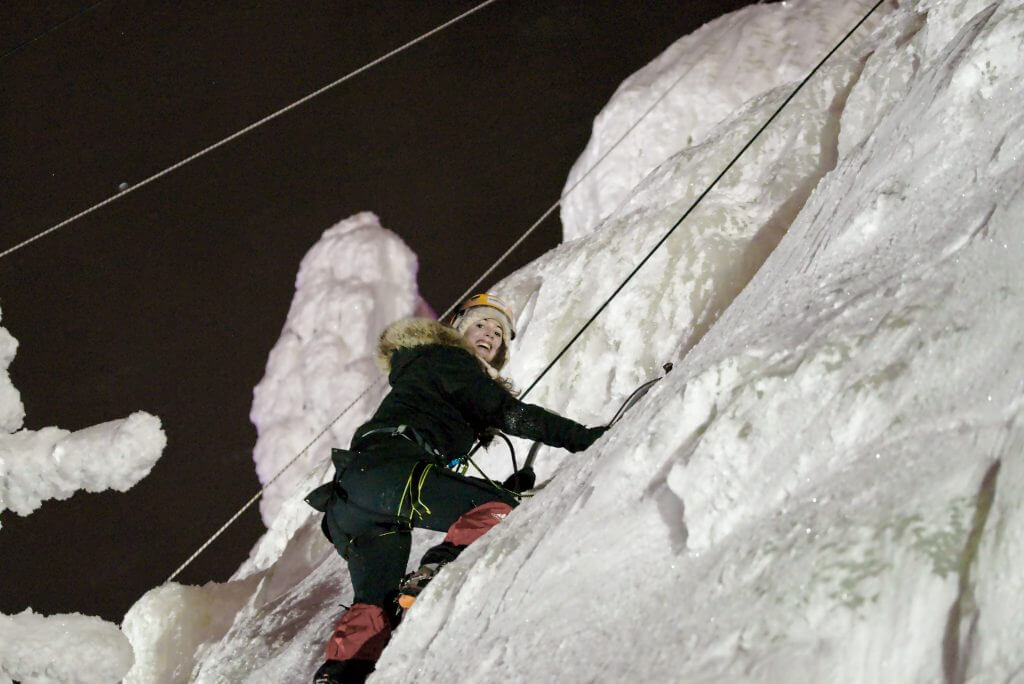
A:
(398, 474)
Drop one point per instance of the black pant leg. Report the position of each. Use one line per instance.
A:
(377, 564)
(387, 489)
(366, 529)
(446, 496)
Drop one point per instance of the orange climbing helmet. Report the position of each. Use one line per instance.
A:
(501, 313)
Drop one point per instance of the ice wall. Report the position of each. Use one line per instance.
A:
(675, 101)
(834, 466)
(833, 469)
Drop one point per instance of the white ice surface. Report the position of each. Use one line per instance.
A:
(677, 99)
(183, 618)
(828, 486)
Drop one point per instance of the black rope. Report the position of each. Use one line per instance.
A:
(701, 197)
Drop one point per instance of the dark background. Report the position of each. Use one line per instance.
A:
(169, 299)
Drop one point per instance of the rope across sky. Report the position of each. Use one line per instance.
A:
(250, 127)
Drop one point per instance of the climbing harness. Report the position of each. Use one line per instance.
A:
(410, 434)
(418, 476)
(458, 463)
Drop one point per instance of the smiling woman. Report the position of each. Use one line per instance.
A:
(486, 322)
(401, 471)
(485, 337)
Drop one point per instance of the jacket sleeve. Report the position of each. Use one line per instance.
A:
(533, 422)
(486, 403)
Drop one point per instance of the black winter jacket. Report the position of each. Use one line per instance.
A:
(440, 389)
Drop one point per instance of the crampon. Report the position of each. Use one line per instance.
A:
(415, 582)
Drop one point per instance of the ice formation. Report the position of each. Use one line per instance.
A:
(53, 464)
(828, 485)
(12, 411)
(685, 92)
(353, 282)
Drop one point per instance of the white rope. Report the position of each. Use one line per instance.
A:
(448, 311)
(257, 495)
(245, 130)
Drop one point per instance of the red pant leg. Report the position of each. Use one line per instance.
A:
(361, 633)
(472, 524)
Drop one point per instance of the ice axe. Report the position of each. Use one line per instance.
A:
(629, 403)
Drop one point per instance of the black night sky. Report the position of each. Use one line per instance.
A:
(169, 299)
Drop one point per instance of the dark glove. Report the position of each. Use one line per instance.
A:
(583, 438)
(520, 481)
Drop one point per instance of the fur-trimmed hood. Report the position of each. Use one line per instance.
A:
(415, 332)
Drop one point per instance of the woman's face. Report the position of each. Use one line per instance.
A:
(486, 337)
